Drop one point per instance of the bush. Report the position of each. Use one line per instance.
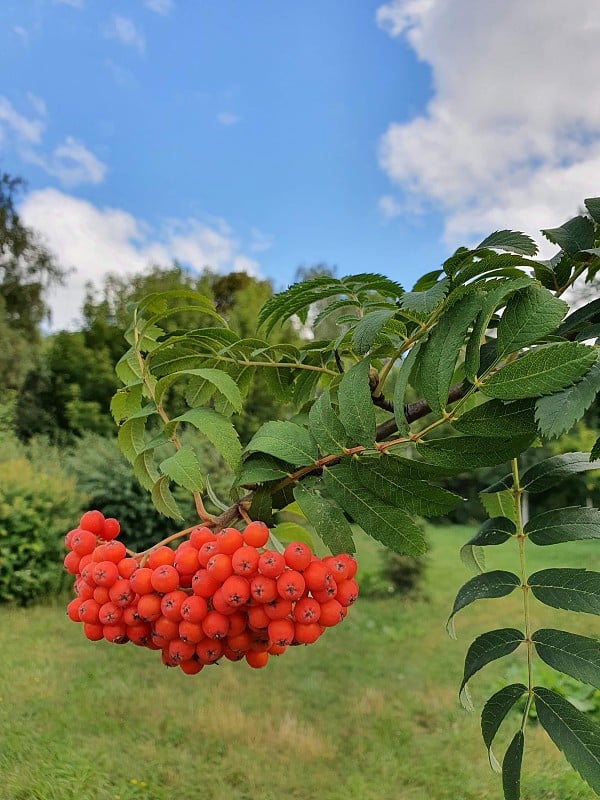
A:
(397, 576)
(36, 509)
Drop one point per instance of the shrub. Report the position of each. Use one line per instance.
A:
(36, 508)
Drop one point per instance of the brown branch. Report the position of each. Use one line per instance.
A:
(414, 411)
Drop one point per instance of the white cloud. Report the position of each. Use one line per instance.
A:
(227, 118)
(95, 241)
(261, 241)
(71, 162)
(124, 30)
(511, 135)
(389, 206)
(163, 7)
(25, 130)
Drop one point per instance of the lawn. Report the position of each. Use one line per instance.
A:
(368, 712)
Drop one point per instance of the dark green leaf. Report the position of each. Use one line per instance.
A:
(464, 453)
(557, 413)
(184, 469)
(367, 329)
(402, 379)
(164, 500)
(424, 302)
(511, 768)
(218, 430)
(287, 441)
(544, 370)
(554, 470)
(531, 314)
(590, 312)
(356, 409)
(564, 525)
(427, 281)
(494, 713)
(261, 505)
(496, 418)
(572, 732)
(486, 648)
(494, 531)
(325, 425)
(513, 241)
(577, 656)
(497, 583)
(571, 589)
(576, 234)
(261, 469)
(440, 352)
(389, 525)
(386, 478)
(327, 519)
(593, 206)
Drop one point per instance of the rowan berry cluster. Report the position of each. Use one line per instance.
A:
(217, 595)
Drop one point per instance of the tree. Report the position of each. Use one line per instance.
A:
(497, 362)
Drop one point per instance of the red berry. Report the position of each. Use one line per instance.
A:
(148, 607)
(297, 555)
(83, 542)
(279, 608)
(117, 634)
(263, 589)
(257, 660)
(306, 634)
(307, 610)
(105, 573)
(347, 592)
(215, 625)
(315, 576)
(191, 631)
(141, 581)
(121, 593)
(114, 551)
(191, 667)
(229, 540)
(200, 536)
(281, 631)
(209, 651)
(331, 613)
(256, 534)
(93, 521)
(236, 591)
(127, 566)
(245, 561)
(111, 528)
(161, 556)
(73, 609)
(203, 584)
(219, 566)
(165, 579)
(291, 585)
(194, 609)
(93, 631)
(186, 560)
(206, 552)
(89, 611)
(166, 628)
(110, 613)
(271, 563)
(71, 563)
(171, 604)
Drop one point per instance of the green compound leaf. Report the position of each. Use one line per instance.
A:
(131, 438)
(325, 425)
(400, 386)
(365, 332)
(557, 413)
(575, 235)
(383, 522)
(386, 478)
(486, 648)
(292, 532)
(261, 469)
(493, 531)
(145, 470)
(208, 381)
(356, 409)
(440, 352)
(126, 402)
(572, 589)
(497, 583)
(184, 469)
(425, 302)
(554, 470)
(498, 504)
(513, 241)
(464, 453)
(593, 206)
(581, 317)
(494, 713)
(544, 370)
(577, 656)
(570, 524)
(164, 500)
(498, 419)
(327, 519)
(530, 314)
(572, 732)
(286, 441)
(511, 767)
(218, 430)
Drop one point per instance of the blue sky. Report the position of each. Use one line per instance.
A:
(263, 135)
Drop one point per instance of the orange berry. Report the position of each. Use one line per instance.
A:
(191, 667)
(215, 625)
(191, 631)
(280, 608)
(148, 607)
(141, 581)
(160, 557)
(257, 659)
(71, 562)
(219, 566)
(220, 604)
(206, 552)
(127, 566)
(237, 623)
(99, 553)
(130, 615)
(111, 528)
(93, 521)
(338, 566)
(236, 591)
(347, 592)
(229, 540)
(166, 628)
(263, 589)
(307, 610)
(114, 551)
(138, 634)
(200, 536)
(165, 579)
(194, 609)
(171, 604)
(203, 584)
(121, 593)
(281, 631)
(110, 613)
(117, 634)
(297, 555)
(257, 617)
(73, 609)
(256, 534)
(181, 651)
(209, 651)
(306, 634)
(331, 613)
(241, 642)
(271, 563)
(276, 649)
(83, 542)
(93, 631)
(245, 561)
(186, 560)
(315, 576)
(291, 584)
(105, 573)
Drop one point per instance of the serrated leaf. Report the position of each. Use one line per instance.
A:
(286, 441)
(497, 583)
(131, 438)
(564, 525)
(367, 329)
(386, 478)
(513, 241)
(261, 505)
(383, 522)
(218, 430)
(292, 532)
(128, 368)
(325, 425)
(126, 402)
(530, 314)
(464, 453)
(551, 471)
(145, 470)
(184, 469)
(356, 409)
(590, 312)
(572, 589)
(494, 713)
(327, 519)
(593, 206)
(572, 732)
(424, 302)
(576, 234)
(261, 469)
(511, 767)
(486, 648)
(498, 504)
(440, 352)
(557, 413)
(496, 418)
(217, 380)
(577, 656)
(544, 370)
(400, 386)
(164, 500)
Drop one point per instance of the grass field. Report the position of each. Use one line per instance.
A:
(368, 712)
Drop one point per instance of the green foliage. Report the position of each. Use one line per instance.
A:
(36, 509)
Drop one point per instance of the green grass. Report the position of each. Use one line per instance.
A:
(368, 712)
